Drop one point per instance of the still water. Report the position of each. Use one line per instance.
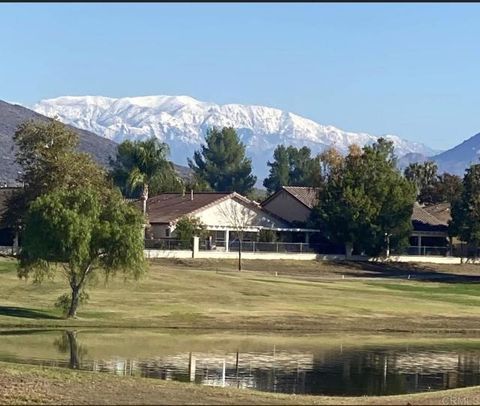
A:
(312, 364)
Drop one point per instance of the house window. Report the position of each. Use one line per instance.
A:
(167, 232)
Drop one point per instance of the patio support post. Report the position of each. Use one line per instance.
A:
(419, 242)
(196, 245)
(227, 240)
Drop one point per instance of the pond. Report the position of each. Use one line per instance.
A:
(309, 364)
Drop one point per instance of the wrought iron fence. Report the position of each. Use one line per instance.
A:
(290, 247)
(205, 245)
(171, 244)
(168, 244)
(423, 251)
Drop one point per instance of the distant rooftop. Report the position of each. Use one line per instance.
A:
(441, 211)
(306, 195)
(421, 215)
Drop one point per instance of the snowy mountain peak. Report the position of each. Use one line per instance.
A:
(182, 122)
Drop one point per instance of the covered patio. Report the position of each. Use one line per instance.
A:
(227, 238)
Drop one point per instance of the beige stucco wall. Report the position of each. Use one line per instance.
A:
(230, 213)
(233, 214)
(297, 256)
(167, 254)
(158, 230)
(287, 207)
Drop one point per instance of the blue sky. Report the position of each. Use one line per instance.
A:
(406, 69)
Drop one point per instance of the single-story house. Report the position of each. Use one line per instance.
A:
(430, 228)
(223, 214)
(430, 224)
(292, 203)
(442, 212)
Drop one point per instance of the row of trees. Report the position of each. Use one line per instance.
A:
(364, 197)
(142, 168)
(365, 200)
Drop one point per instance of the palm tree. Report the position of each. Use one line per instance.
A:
(423, 175)
(141, 164)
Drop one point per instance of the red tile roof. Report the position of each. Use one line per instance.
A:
(169, 207)
(421, 215)
(307, 195)
(441, 211)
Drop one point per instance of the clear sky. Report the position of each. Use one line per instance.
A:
(406, 69)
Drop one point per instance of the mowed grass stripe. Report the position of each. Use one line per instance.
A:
(174, 294)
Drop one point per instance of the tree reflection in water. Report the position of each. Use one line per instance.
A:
(68, 344)
(333, 371)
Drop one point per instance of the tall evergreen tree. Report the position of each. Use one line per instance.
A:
(279, 170)
(293, 166)
(222, 164)
(303, 167)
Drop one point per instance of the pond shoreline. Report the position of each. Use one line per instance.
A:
(410, 334)
(467, 333)
(311, 364)
(24, 384)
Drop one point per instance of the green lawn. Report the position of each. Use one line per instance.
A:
(305, 296)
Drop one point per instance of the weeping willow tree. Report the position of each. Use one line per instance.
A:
(81, 233)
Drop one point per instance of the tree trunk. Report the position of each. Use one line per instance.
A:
(145, 198)
(72, 312)
(144, 208)
(72, 342)
(240, 255)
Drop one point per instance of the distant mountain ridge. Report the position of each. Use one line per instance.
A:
(182, 121)
(12, 115)
(460, 157)
(454, 161)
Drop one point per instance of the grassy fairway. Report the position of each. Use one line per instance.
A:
(307, 296)
(20, 384)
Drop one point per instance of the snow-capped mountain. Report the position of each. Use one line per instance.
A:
(182, 122)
